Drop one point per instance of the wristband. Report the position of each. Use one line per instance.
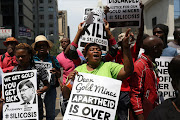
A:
(74, 44)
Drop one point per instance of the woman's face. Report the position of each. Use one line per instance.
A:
(22, 57)
(42, 47)
(94, 54)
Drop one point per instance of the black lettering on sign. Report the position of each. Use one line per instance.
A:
(123, 1)
(74, 108)
(166, 78)
(163, 71)
(96, 113)
(162, 63)
(163, 86)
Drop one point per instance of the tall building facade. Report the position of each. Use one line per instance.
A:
(46, 19)
(17, 15)
(62, 24)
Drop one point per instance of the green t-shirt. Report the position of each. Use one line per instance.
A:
(107, 69)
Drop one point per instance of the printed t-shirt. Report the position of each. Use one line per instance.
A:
(107, 69)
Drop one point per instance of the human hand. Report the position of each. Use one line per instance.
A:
(39, 92)
(141, 5)
(72, 75)
(106, 9)
(106, 25)
(125, 41)
(80, 27)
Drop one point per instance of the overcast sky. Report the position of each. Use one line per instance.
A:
(75, 12)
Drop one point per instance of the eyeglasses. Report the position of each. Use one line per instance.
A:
(23, 90)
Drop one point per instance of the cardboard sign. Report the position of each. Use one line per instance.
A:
(94, 33)
(19, 92)
(165, 87)
(124, 13)
(93, 97)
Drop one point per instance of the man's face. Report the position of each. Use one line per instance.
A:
(27, 93)
(159, 33)
(10, 46)
(65, 42)
(158, 48)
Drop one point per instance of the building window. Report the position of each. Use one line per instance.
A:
(51, 25)
(41, 32)
(41, 1)
(176, 13)
(41, 17)
(49, 1)
(41, 24)
(51, 32)
(21, 22)
(41, 8)
(20, 9)
(50, 16)
(154, 22)
(50, 9)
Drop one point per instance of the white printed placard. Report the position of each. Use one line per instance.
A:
(124, 13)
(19, 91)
(46, 65)
(93, 97)
(165, 87)
(94, 33)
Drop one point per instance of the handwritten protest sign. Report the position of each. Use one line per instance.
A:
(124, 13)
(94, 33)
(19, 92)
(93, 97)
(165, 88)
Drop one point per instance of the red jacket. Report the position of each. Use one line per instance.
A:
(8, 63)
(143, 83)
(119, 59)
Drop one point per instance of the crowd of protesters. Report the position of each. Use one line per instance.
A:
(138, 99)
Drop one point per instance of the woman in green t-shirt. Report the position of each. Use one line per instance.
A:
(92, 53)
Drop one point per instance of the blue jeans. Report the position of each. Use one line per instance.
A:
(50, 103)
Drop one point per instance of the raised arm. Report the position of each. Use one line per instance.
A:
(112, 42)
(128, 68)
(141, 29)
(71, 50)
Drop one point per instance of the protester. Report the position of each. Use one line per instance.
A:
(68, 63)
(27, 91)
(24, 55)
(176, 42)
(144, 81)
(124, 99)
(161, 31)
(42, 46)
(92, 53)
(64, 59)
(170, 109)
(8, 60)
